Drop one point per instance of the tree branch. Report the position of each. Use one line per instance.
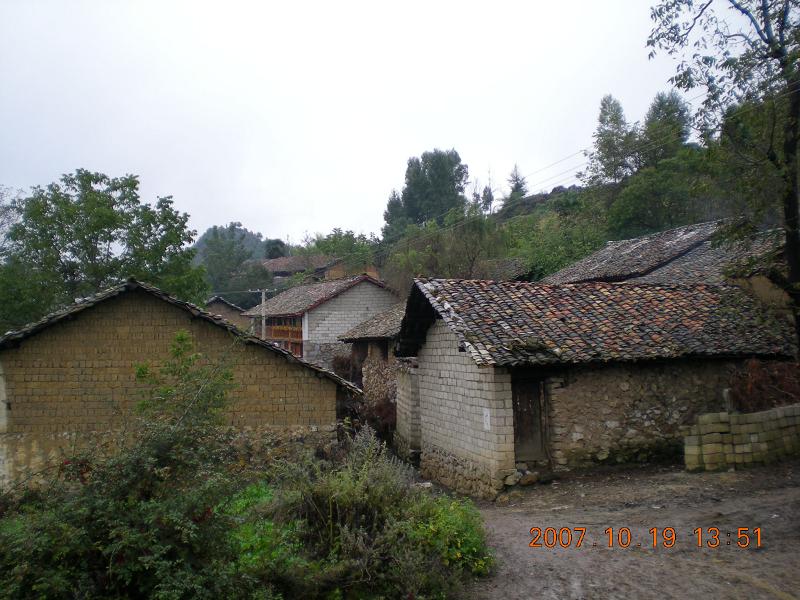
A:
(751, 18)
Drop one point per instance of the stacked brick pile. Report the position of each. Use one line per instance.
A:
(723, 440)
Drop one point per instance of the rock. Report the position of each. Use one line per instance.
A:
(502, 500)
(522, 467)
(529, 478)
(602, 455)
(513, 478)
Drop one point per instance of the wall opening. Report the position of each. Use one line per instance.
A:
(528, 397)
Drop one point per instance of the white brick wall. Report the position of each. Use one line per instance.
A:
(454, 393)
(336, 317)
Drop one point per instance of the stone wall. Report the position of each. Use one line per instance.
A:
(629, 412)
(78, 376)
(408, 433)
(724, 440)
(466, 415)
(337, 316)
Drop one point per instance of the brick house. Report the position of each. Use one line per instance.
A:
(228, 311)
(308, 319)
(562, 376)
(73, 373)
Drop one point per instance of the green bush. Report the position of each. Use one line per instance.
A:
(358, 529)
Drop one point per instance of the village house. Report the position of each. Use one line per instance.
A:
(72, 374)
(228, 311)
(507, 376)
(317, 267)
(372, 342)
(308, 319)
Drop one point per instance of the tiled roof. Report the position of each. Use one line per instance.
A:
(13, 338)
(503, 269)
(626, 259)
(222, 300)
(710, 262)
(298, 264)
(302, 298)
(385, 325)
(518, 323)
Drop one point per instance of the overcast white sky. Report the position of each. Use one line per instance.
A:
(298, 117)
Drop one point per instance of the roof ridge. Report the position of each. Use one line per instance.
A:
(13, 337)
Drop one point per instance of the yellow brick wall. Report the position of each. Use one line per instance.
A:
(79, 376)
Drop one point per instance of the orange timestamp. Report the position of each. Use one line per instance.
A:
(657, 537)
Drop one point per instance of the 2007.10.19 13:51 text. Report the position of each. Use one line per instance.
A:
(665, 537)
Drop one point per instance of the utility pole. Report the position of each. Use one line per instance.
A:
(263, 314)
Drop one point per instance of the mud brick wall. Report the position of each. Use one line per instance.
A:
(724, 440)
(408, 433)
(466, 416)
(78, 376)
(629, 412)
(336, 317)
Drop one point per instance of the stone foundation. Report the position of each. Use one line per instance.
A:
(723, 440)
(459, 474)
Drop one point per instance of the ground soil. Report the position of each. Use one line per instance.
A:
(639, 499)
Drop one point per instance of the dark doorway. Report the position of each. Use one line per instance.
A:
(527, 391)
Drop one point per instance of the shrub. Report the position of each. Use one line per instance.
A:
(760, 385)
(361, 529)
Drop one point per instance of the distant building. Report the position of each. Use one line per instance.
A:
(229, 311)
(373, 341)
(308, 319)
(317, 267)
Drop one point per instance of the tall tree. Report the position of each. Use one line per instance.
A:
(275, 248)
(666, 128)
(434, 185)
(518, 186)
(744, 50)
(223, 253)
(87, 232)
(613, 157)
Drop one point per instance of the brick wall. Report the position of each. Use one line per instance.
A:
(466, 415)
(337, 316)
(77, 376)
(408, 433)
(724, 440)
(629, 412)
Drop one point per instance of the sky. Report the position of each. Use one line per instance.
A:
(297, 117)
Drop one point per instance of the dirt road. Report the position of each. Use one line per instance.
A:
(641, 499)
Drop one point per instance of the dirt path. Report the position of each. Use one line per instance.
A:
(768, 498)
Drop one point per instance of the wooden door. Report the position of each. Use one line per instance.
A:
(528, 398)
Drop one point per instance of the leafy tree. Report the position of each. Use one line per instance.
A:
(90, 231)
(677, 191)
(251, 240)
(275, 248)
(223, 253)
(434, 185)
(666, 128)
(613, 158)
(752, 56)
(357, 251)
(570, 226)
